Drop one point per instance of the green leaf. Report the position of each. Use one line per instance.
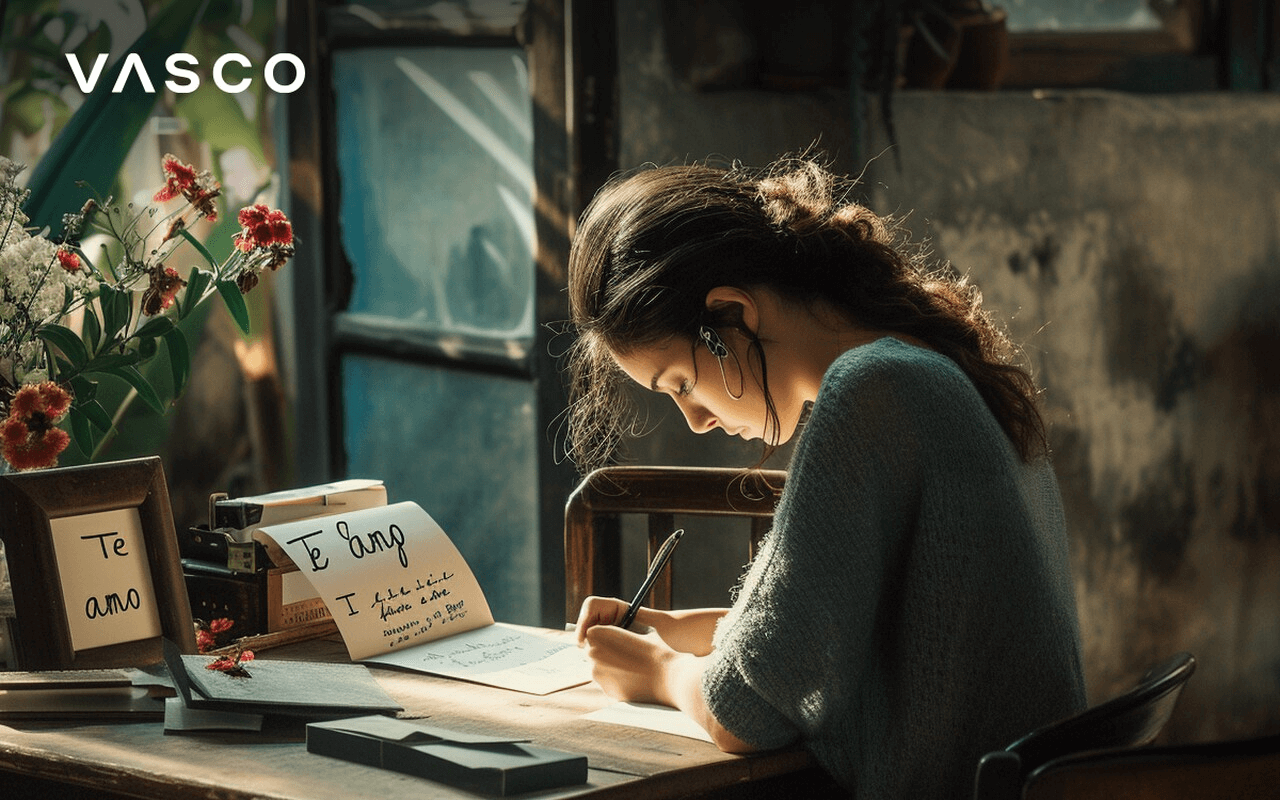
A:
(197, 282)
(179, 360)
(26, 109)
(97, 415)
(92, 334)
(116, 311)
(81, 431)
(84, 389)
(218, 119)
(200, 248)
(156, 326)
(235, 303)
(109, 361)
(93, 144)
(65, 340)
(131, 376)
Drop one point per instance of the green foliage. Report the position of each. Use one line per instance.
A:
(93, 145)
(90, 148)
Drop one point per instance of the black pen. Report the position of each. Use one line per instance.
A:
(659, 561)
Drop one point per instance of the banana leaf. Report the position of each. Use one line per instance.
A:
(93, 144)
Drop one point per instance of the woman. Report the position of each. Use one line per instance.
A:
(912, 607)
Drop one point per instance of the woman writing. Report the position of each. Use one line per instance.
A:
(912, 607)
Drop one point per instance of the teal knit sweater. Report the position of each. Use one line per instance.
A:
(913, 606)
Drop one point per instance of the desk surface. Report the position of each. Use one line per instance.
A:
(139, 759)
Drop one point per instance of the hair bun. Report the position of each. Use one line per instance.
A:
(797, 198)
(802, 197)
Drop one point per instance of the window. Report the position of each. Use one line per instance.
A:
(1142, 45)
(427, 197)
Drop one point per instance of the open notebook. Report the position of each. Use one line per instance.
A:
(402, 595)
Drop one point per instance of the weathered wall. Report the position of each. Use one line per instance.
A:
(1133, 244)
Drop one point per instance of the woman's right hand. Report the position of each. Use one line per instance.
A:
(599, 611)
(687, 631)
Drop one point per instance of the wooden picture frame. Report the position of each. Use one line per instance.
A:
(87, 594)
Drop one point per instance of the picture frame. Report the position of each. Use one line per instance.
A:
(94, 566)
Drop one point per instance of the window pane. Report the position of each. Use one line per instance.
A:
(461, 445)
(1080, 15)
(435, 162)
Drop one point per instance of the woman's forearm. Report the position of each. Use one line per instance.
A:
(680, 685)
(689, 631)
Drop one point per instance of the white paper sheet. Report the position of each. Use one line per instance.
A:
(655, 718)
(508, 656)
(106, 578)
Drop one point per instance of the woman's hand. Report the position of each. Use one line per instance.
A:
(628, 665)
(686, 631)
(599, 611)
(644, 668)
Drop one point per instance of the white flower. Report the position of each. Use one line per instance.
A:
(29, 275)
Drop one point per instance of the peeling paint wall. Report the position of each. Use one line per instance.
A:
(1132, 243)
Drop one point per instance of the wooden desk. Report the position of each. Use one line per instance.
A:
(140, 760)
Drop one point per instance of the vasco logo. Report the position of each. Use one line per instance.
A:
(188, 81)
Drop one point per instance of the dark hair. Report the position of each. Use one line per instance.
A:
(651, 245)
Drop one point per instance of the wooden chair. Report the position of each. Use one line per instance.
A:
(592, 555)
(1132, 719)
(1224, 770)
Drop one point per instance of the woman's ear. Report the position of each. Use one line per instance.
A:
(736, 307)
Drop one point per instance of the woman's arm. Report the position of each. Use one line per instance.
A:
(687, 631)
(646, 669)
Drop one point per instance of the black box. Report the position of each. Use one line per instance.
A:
(485, 764)
(217, 592)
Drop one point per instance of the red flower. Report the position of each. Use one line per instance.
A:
(231, 664)
(204, 640)
(199, 188)
(221, 624)
(68, 259)
(180, 178)
(281, 230)
(262, 227)
(29, 438)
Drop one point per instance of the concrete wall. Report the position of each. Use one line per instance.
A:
(1133, 245)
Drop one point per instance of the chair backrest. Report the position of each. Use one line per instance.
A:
(1222, 770)
(1132, 719)
(592, 552)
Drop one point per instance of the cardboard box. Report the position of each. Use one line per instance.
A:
(291, 602)
(485, 764)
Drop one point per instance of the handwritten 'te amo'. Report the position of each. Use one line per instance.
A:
(359, 544)
(111, 603)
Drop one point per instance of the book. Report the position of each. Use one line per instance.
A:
(120, 695)
(256, 511)
(283, 688)
(402, 595)
(485, 764)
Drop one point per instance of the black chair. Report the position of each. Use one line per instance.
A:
(1220, 770)
(1132, 719)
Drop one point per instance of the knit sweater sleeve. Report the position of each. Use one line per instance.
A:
(796, 643)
